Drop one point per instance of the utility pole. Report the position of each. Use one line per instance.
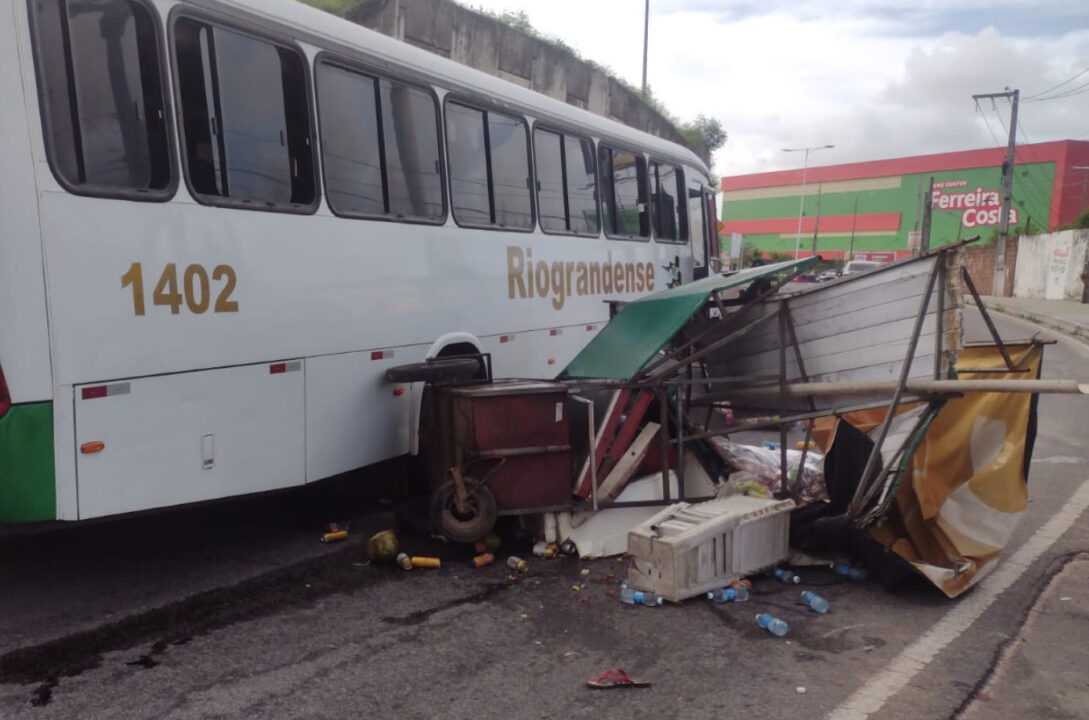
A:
(646, 38)
(928, 213)
(817, 221)
(801, 193)
(1007, 190)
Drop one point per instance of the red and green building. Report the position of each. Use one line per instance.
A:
(875, 207)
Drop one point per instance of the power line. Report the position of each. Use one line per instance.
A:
(1071, 92)
(985, 122)
(1056, 87)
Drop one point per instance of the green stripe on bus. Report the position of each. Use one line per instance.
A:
(27, 475)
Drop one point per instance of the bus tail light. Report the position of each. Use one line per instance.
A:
(5, 396)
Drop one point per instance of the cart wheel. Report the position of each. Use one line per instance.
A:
(471, 525)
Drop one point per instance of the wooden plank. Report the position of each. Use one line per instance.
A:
(633, 418)
(626, 468)
(615, 482)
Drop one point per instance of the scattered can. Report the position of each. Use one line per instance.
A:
(517, 563)
(546, 549)
(425, 562)
(483, 559)
(404, 561)
(335, 536)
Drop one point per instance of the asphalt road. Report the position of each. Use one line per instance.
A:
(236, 610)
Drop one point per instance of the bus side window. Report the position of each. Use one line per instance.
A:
(623, 193)
(565, 183)
(667, 203)
(489, 168)
(410, 126)
(245, 117)
(102, 96)
(581, 186)
(347, 104)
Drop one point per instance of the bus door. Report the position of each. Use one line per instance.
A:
(702, 226)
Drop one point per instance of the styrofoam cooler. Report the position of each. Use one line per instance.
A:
(687, 550)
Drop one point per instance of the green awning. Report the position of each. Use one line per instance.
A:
(643, 327)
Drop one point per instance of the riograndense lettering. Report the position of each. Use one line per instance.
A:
(561, 279)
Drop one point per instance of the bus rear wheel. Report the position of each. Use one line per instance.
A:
(471, 523)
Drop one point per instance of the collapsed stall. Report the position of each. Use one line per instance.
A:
(913, 443)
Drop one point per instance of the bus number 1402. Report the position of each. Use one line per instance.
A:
(196, 291)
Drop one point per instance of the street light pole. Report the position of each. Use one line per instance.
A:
(801, 200)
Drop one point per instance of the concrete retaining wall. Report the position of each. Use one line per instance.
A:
(493, 47)
(1051, 266)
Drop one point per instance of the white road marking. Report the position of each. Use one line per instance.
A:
(872, 696)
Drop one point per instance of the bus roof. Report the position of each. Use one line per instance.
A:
(308, 24)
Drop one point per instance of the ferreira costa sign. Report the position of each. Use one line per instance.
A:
(979, 207)
(560, 279)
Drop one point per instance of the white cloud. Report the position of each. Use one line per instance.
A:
(877, 78)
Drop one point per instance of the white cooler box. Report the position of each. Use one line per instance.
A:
(687, 550)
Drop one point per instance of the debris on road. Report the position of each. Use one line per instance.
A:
(483, 559)
(426, 562)
(382, 546)
(785, 576)
(814, 602)
(517, 564)
(334, 536)
(614, 678)
(772, 624)
(689, 549)
(404, 561)
(729, 594)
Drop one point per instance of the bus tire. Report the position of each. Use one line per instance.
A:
(459, 527)
(441, 370)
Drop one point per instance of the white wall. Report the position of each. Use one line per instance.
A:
(1050, 266)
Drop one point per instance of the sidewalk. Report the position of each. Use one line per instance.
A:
(1065, 316)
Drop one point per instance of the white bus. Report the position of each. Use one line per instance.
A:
(223, 220)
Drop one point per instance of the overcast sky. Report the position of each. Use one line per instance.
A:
(876, 78)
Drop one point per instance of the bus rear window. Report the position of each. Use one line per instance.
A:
(102, 95)
(245, 117)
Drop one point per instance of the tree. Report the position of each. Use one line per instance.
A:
(1081, 221)
(707, 131)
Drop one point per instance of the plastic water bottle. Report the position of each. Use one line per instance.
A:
(785, 576)
(853, 572)
(631, 596)
(772, 624)
(729, 594)
(815, 602)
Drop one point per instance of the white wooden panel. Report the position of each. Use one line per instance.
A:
(153, 431)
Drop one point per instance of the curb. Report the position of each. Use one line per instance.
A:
(1074, 330)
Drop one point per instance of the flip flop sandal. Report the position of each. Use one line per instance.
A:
(613, 678)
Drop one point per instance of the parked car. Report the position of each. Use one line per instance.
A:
(827, 275)
(853, 267)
